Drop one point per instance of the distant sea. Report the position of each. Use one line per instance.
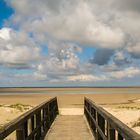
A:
(74, 91)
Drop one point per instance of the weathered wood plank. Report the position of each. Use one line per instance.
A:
(67, 127)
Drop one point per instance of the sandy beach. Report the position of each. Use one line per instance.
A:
(124, 103)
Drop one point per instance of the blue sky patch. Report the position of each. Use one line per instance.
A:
(5, 12)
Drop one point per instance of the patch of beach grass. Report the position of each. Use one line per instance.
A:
(129, 107)
(136, 123)
(18, 106)
(1, 105)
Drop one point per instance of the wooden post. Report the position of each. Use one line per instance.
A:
(120, 137)
(26, 128)
(48, 114)
(110, 132)
(52, 112)
(101, 123)
(38, 121)
(47, 118)
(43, 116)
(57, 111)
(32, 123)
(20, 133)
(84, 106)
(93, 126)
(90, 123)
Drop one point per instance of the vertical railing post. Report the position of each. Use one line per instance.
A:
(90, 123)
(49, 113)
(93, 126)
(44, 122)
(38, 121)
(20, 133)
(97, 133)
(56, 107)
(110, 132)
(52, 111)
(26, 128)
(88, 116)
(85, 108)
(101, 124)
(46, 115)
(120, 137)
(32, 125)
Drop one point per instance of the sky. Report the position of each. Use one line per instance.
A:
(69, 43)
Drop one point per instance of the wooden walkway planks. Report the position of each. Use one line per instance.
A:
(69, 127)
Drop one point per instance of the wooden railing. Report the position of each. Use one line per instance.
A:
(104, 126)
(34, 124)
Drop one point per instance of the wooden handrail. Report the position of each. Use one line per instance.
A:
(105, 126)
(41, 118)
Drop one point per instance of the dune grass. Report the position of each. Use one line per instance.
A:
(136, 123)
(18, 106)
(129, 107)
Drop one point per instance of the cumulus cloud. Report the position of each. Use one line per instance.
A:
(74, 21)
(69, 27)
(80, 21)
(39, 76)
(65, 27)
(134, 51)
(120, 58)
(4, 34)
(86, 77)
(17, 49)
(126, 73)
(18, 55)
(128, 5)
(61, 61)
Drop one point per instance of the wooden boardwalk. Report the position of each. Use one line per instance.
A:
(68, 124)
(69, 127)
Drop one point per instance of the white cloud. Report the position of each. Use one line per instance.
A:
(73, 21)
(86, 77)
(59, 64)
(5, 34)
(22, 54)
(94, 22)
(121, 58)
(134, 50)
(128, 5)
(39, 76)
(61, 25)
(80, 24)
(126, 73)
(17, 48)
